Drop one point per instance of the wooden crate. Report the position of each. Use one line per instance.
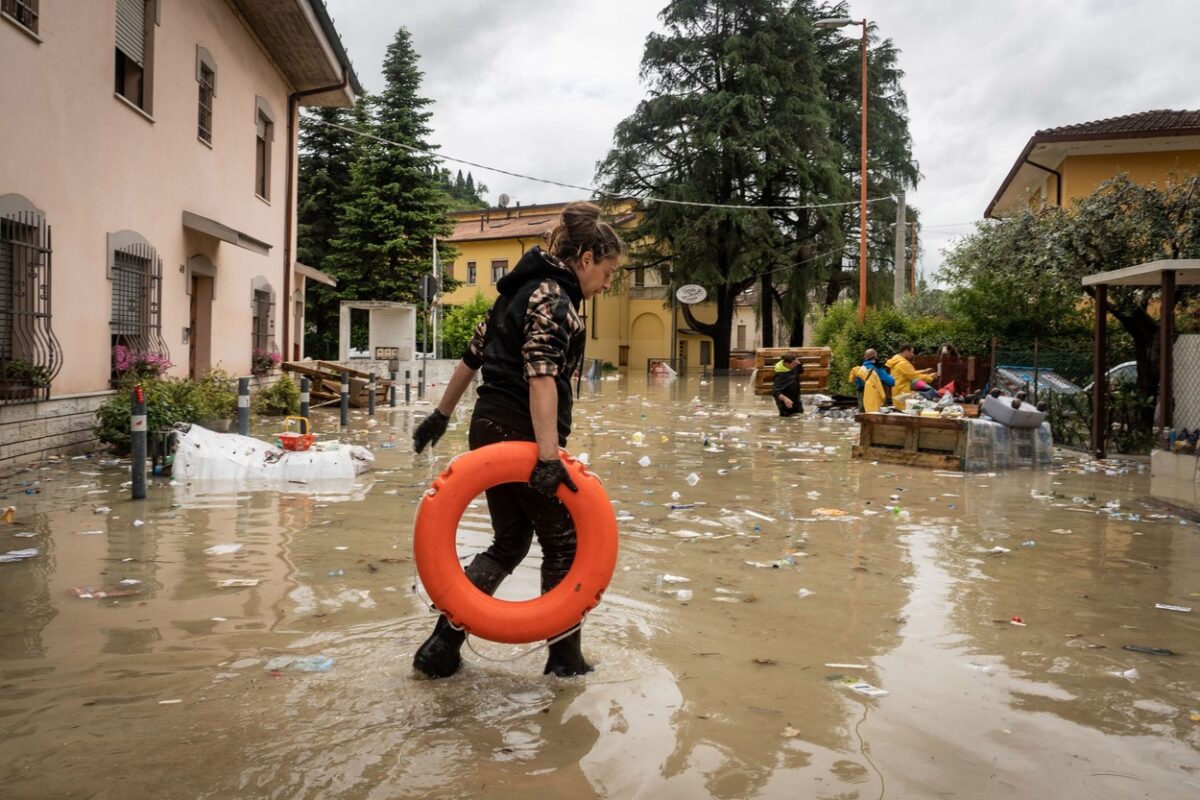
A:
(915, 441)
(815, 377)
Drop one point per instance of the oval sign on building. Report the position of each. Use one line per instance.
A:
(691, 294)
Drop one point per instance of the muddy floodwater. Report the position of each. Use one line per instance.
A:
(814, 584)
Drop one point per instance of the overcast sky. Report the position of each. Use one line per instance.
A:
(537, 86)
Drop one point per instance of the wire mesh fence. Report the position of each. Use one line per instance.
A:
(1063, 380)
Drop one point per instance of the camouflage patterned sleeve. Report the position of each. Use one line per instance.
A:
(547, 331)
(473, 357)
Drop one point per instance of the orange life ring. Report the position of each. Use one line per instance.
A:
(560, 609)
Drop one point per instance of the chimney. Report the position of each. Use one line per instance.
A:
(481, 222)
(518, 209)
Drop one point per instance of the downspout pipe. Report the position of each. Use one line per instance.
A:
(290, 205)
(1057, 180)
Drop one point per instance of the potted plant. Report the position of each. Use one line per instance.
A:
(263, 362)
(130, 363)
(21, 378)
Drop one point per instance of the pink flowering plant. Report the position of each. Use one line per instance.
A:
(128, 362)
(263, 361)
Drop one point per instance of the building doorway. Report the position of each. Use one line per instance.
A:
(200, 327)
(647, 337)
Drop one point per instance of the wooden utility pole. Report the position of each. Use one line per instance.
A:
(901, 262)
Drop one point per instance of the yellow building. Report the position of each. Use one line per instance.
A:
(629, 326)
(1061, 164)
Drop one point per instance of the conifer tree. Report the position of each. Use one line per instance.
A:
(736, 115)
(326, 157)
(395, 205)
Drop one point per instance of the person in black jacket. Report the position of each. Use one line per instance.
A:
(785, 387)
(528, 347)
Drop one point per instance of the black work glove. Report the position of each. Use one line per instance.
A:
(547, 475)
(430, 430)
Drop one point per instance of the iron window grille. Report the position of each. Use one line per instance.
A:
(30, 356)
(207, 88)
(136, 321)
(23, 11)
(262, 324)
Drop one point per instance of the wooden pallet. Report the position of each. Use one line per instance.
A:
(326, 383)
(815, 377)
(913, 441)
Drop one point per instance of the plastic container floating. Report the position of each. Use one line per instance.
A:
(1003, 411)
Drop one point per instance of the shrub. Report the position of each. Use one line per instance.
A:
(885, 329)
(281, 398)
(215, 396)
(460, 323)
(168, 402)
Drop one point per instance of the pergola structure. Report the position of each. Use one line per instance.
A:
(1167, 275)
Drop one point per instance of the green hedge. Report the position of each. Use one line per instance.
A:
(885, 329)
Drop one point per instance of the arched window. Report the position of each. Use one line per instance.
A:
(262, 327)
(30, 356)
(135, 322)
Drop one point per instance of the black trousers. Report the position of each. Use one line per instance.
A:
(784, 411)
(519, 513)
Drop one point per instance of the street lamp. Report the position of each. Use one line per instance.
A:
(841, 22)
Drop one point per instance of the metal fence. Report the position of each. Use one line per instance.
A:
(30, 355)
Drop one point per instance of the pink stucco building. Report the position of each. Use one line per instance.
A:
(147, 193)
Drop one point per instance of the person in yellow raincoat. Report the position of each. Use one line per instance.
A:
(905, 374)
(870, 379)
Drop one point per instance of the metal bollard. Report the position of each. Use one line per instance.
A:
(137, 435)
(305, 385)
(244, 406)
(421, 383)
(371, 395)
(345, 399)
(407, 387)
(392, 390)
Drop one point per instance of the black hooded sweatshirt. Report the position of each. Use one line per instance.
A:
(533, 329)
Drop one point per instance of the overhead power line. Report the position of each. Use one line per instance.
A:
(588, 189)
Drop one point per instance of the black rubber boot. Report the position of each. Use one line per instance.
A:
(438, 656)
(566, 658)
(566, 655)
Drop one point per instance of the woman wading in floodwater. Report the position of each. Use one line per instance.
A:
(528, 347)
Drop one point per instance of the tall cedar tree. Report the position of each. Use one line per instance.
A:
(326, 157)
(749, 104)
(395, 205)
(735, 115)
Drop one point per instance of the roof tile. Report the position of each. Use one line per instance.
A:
(1144, 121)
